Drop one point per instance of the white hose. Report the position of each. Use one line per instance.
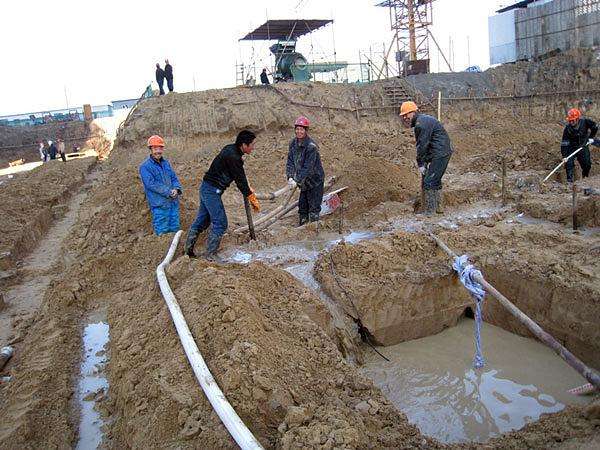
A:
(240, 433)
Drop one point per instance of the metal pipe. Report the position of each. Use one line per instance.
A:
(588, 373)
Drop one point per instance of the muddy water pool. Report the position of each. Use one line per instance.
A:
(433, 382)
(92, 384)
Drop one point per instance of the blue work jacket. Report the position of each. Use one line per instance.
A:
(159, 179)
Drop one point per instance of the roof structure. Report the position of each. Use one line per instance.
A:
(517, 5)
(285, 29)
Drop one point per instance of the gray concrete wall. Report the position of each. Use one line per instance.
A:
(557, 25)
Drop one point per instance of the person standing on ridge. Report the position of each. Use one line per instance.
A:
(227, 166)
(160, 79)
(169, 75)
(264, 78)
(61, 150)
(579, 132)
(52, 150)
(162, 188)
(42, 150)
(434, 150)
(304, 169)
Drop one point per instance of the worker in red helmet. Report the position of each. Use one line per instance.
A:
(579, 132)
(304, 169)
(162, 188)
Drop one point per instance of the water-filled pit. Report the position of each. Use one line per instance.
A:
(432, 379)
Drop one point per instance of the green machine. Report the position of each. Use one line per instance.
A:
(291, 65)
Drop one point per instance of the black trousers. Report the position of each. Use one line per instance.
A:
(309, 204)
(160, 87)
(584, 158)
(170, 84)
(434, 171)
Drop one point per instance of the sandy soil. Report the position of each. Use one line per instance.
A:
(264, 334)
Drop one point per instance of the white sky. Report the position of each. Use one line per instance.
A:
(106, 50)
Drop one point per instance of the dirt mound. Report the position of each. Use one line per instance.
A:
(277, 367)
(555, 202)
(392, 287)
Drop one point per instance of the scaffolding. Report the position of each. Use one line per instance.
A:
(410, 21)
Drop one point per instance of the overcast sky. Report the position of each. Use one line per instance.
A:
(106, 50)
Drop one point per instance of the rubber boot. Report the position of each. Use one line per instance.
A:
(313, 217)
(212, 246)
(438, 202)
(190, 242)
(430, 202)
(302, 220)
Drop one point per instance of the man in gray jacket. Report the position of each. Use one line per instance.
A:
(433, 153)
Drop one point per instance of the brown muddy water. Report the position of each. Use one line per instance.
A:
(433, 382)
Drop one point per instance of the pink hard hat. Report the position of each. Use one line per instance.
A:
(302, 122)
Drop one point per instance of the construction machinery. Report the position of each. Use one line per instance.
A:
(291, 65)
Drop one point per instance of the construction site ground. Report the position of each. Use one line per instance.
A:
(274, 321)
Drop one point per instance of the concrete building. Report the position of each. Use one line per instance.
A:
(532, 28)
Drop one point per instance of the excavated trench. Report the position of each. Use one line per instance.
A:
(424, 323)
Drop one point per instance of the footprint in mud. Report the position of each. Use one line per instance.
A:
(191, 425)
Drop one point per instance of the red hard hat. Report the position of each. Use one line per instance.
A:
(156, 141)
(573, 114)
(302, 122)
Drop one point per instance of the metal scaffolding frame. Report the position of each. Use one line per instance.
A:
(410, 20)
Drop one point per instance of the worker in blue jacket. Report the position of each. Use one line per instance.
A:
(162, 188)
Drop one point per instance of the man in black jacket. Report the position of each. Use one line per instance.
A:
(579, 132)
(304, 169)
(433, 153)
(169, 75)
(264, 78)
(160, 79)
(228, 166)
(52, 150)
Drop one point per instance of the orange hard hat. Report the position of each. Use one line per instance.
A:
(408, 107)
(573, 114)
(156, 141)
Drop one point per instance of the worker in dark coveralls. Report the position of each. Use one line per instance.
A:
(579, 132)
(433, 153)
(264, 78)
(160, 79)
(227, 166)
(169, 75)
(304, 169)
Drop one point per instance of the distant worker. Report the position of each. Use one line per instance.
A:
(433, 153)
(61, 150)
(579, 132)
(42, 150)
(160, 79)
(169, 75)
(304, 169)
(52, 150)
(227, 166)
(162, 188)
(264, 78)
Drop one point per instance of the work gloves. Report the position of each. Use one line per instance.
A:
(254, 202)
(590, 141)
(174, 193)
(292, 183)
(422, 170)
